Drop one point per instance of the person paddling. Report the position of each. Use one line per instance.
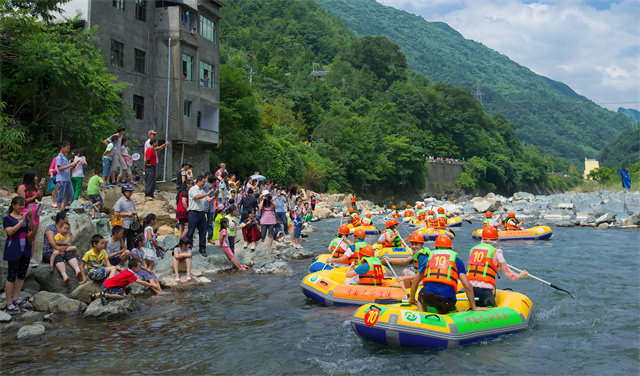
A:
(512, 223)
(419, 252)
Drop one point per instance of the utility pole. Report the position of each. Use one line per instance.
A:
(251, 72)
(478, 94)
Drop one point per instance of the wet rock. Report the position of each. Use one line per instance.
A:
(523, 196)
(196, 281)
(300, 254)
(603, 225)
(52, 281)
(565, 224)
(23, 295)
(605, 218)
(83, 292)
(42, 300)
(66, 305)
(272, 266)
(113, 310)
(33, 316)
(5, 317)
(31, 331)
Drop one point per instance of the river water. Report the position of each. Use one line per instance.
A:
(263, 324)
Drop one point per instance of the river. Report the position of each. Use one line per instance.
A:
(263, 324)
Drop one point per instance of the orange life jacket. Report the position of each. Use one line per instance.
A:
(442, 268)
(431, 222)
(408, 213)
(422, 216)
(440, 224)
(355, 221)
(510, 224)
(396, 243)
(339, 252)
(395, 215)
(375, 275)
(481, 265)
(356, 256)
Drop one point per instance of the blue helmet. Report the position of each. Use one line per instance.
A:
(126, 187)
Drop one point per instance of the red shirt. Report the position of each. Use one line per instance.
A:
(121, 280)
(151, 156)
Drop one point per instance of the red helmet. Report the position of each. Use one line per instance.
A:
(490, 233)
(415, 238)
(344, 230)
(419, 206)
(368, 215)
(511, 215)
(488, 215)
(441, 210)
(408, 206)
(390, 223)
(431, 212)
(351, 210)
(367, 251)
(443, 241)
(360, 233)
(393, 207)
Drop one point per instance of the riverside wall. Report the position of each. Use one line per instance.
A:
(441, 178)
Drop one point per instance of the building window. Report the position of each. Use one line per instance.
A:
(206, 74)
(187, 109)
(117, 53)
(208, 29)
(141, 10)
(199, 119)
(118, 4)
(139, 60)
(187, 67)
(138, 107)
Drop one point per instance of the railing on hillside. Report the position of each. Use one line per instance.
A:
(431, 159)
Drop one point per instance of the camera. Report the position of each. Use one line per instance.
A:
(268, 196)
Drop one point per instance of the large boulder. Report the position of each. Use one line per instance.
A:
(272, 266)
(611, 206)
(52, 281)
(83, 292)
(31, 331)
(160, 206)
(66, 305)
(632, 220)
(216, 262)
(526, 196)
(82, 227)
(322, 212)
(605, 218)
(112, 310)
(42, 300)
(169, 242)
(482, 205)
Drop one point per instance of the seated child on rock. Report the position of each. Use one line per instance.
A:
(182, 255)
(116, 286)
(145, 272)
(95, 261)
(64, 238)
(224, 244)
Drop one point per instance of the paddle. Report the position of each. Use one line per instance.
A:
(543, 281)
(332, 253)
(396, 301)
(468, 221)
(395, 275)
(403, 242)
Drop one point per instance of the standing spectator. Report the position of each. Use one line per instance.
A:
(93, 191)
(218, 214)
(147, 144)
(63, 177)
(17, 250)
(182, 203)
(77, 174)
(313, 202)
(268, 219)
(248, 203)
(107, 161)
(293, 196)
(150, 161)
(222, 188)
(197, 220)
(52, 186)
(209, 206)
(128, 162)
(233, 225)
(31, 191)
(116, 152)
(281, 212)
(49, 244)
(221, 168)
(126, 208)
(353, 202)
(182, 177)
(297, 223)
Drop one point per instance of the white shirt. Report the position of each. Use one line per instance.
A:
(196, 205)
(77, 171)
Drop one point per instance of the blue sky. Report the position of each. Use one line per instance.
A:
(591, 45)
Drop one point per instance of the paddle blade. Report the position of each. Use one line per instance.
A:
(561, 289)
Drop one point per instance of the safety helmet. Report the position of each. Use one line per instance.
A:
(490, 233)
(415, 238)
(488, 215)
(360, 233)
(367, 251)
(408, 206)
(351, 210)
(393, 207)
(368, 215)
(125, 188)
(441, 210)
(443, 241)
(419, 206)
(431, 212)
(511, 215)
(390, 223)
(344, 230)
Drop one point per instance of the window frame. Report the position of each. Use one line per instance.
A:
(138, 107)
(117, 54)
(188, 65)
(139, 61)
(209, 68)
(141, 10)
(119, 4)
(187, 109)
(208, 29)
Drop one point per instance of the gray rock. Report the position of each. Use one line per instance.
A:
(83, 292)
(612, 206)
(102, 227)
(565, 224)
(42, 299)
(169, 242)
(590, 219)
(52, 281)
(23, 295)
(523, 196)
(31, 284)
(633, 220)
(603, 225)
(113, 310)
(66, 305)
(81, 226)
(605, 218)
(272, 266)
(5, 317)
(558, 214)
(33, 316)
(31, 331)
(10, 328)
(300, 254)
(481, 206)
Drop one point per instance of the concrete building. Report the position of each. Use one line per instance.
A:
(590, 164)
(169, 52)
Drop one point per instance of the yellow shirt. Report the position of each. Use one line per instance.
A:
(61, 238)
(94, 261)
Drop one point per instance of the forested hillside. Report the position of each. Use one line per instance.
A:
(547, 113)
(365, 127)
(623, 151)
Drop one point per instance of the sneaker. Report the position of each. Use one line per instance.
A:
(244, 245)
(54, 206)
(108, 185)
(253, 246)
(244, 267)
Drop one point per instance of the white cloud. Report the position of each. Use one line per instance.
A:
(595, 52)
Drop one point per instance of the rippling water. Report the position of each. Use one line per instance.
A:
(257, 324)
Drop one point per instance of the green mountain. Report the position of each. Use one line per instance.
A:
(623, 151)
(547, 113)
(630, 112)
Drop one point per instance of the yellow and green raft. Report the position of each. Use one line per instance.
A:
(401, 325)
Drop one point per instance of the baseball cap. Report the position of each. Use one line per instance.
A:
(265, 192)
(152, 132)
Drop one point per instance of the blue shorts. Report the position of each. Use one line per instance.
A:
(65, 191)
(97, 274)
(113, 290)
(115, 261)
(297, 229)
(96, 198)
(106, 167)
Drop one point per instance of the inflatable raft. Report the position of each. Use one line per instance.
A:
(401, 325)
(327, 287)
(369, 230)
(391, 252)
(533, 233)
(454, 221)
(430, 234)
(401, 219)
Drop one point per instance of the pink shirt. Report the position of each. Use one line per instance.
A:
(268, 216)
(500, 262)
(225, 238)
